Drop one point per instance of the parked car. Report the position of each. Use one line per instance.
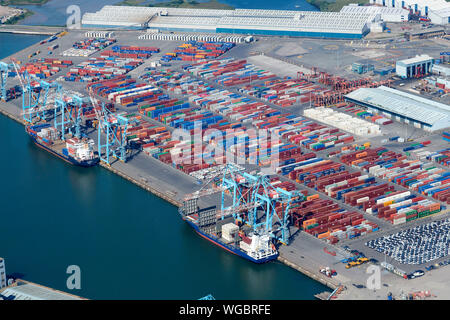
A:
(418, 245)
(416, 274)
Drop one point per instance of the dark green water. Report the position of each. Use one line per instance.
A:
(128, 243)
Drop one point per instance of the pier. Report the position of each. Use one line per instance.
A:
(21, 29)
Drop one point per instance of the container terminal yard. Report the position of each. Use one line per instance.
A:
(362, 151)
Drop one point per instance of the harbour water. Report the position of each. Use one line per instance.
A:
(128, 243)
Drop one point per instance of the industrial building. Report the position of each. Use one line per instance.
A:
(438, 11)
(193, 37)
(440, 70)
(2, 273)
(439, 82)
(414, 67)
(341, 25)
(25, 290)
(401, 106)
(387, 14)
(425, 34)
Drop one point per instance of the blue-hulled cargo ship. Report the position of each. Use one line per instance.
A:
(255, 248)
(75, 151)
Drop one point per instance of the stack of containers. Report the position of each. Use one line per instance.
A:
(175, 82)
(283, 93)
(365, 114)
(442, 157)
(325, 219)
(228, 72)
(93, 43)
(310, 171)
(100, 68)
(313, 135)
(44, 68)
(156, 142)
(223, 102)
(239, 108)
(86, 47)
(198, 50)
(415, 146)
(375, 198)
(130, 52)
(413, 174)
(343, 121)
(446, 136)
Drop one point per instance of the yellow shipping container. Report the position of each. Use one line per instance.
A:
(388, 203)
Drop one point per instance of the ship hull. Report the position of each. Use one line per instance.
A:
(68, 159)
(227, 247)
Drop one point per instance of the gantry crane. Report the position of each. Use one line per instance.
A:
(4, 70)
(70, 108)
(255, 201)
(115, 127)
(35, 97)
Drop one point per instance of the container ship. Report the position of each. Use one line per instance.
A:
(230, 237)
(79, 152)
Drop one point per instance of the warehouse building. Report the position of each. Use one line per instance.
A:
(339, 25)
(425, 34)
(401, 106)
(440, 70)
(438, 11)
(387, 14)
(413, 67)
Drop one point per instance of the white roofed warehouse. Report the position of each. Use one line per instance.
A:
(438, 11)
(387, 14)
(338, 25)
(401, 106)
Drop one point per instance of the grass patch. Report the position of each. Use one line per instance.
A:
(22, 2)
(22, 16)
(334, 5)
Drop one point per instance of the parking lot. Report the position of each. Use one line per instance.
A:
(418, 245)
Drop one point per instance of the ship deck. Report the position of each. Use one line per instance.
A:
(58, 145)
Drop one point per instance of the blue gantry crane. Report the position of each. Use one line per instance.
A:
(258, 203)
(275, 204)
(35, 97)
(4, 70)
(255, 201)
(114, 127)
(68, 113)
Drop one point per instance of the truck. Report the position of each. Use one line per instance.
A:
(359, 261)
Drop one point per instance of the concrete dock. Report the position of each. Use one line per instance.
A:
(22, 29)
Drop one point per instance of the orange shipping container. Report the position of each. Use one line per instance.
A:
(312, 197)
(324, 235)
